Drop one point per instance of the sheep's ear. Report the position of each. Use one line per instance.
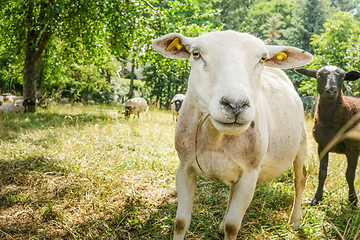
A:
(306, 72)
(352, 75)
(287, 57)
(173, 45)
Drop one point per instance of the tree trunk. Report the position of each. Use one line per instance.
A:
(108, 76)
(131, 92)
(33, 66)
(31, 75)
(39, 88)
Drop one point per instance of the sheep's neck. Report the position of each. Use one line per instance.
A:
(327, 108)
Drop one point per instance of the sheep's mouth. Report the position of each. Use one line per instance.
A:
(230, 128)
(330, 96)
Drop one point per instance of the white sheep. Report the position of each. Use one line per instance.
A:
(136, 106)
(9, 97)
(176, 103)
(12, 107)
(255, 127)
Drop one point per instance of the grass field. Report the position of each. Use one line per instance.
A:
(87, 173)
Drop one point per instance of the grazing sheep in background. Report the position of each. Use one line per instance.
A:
(8, 97)
(27, 103)
(176, 103)
(12, 107)
(19, 101)
(334, 110)
(136, 106)
(255, 129)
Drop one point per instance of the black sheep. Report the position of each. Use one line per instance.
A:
(334, 110)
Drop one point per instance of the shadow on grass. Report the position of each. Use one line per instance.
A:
(19, 215)
(27, 212)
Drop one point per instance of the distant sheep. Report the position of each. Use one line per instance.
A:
(12, 107)
(176, 103)
(333, 111)
(241, 123)
(136, 106)
(8, 97)
(28, 104)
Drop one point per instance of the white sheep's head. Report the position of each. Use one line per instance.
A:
(226, 72)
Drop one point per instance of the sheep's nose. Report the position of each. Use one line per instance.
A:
(235, 106)
(331, 90)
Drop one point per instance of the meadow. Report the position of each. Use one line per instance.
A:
(87, 173)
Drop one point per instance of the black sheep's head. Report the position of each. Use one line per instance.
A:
(128, 111)
(178, 104)
(329, 79)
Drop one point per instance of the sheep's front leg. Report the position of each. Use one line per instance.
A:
(322, 176)
(352, 159)
(241, 195)
(186, 188)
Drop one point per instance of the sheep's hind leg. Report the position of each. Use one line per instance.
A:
(322, 176)
(352, 159)
(299, 182)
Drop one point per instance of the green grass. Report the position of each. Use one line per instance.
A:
(87, 173)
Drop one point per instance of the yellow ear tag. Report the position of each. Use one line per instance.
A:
(281, 56)
(174, 43)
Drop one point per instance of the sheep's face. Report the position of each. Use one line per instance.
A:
(128, 111)
(329, 81)
(178, 104)
(226, 68)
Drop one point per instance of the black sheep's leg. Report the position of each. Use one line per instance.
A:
(352, 158)
(322, 176)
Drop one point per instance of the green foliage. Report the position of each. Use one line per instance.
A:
(75, 72)
(10, 70)
(166, 79)
(352, 6)
(307, 19)
(262, 16)
(234, 12)
(339, 45)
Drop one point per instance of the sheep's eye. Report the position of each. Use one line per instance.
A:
(263, 59)
(196, 54)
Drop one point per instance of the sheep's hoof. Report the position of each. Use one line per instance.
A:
(295, 225)
(222, 228)
(353, 199)
(315, 202)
